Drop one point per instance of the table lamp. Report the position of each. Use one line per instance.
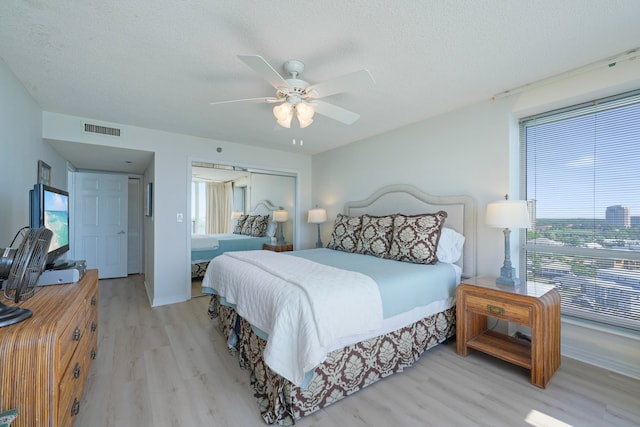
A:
(280, 216)
(317, 216)
(508, 214)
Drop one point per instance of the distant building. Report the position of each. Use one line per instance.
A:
(622, 277)
(635, 221)
(618, 216)
(545, 241)
(554, 269)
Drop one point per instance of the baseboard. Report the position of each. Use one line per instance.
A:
(611, 348)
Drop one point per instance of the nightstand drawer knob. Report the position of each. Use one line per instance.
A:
(493, 309)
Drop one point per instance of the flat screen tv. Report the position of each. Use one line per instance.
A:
(49, 207)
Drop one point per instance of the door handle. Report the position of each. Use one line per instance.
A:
(121, 232)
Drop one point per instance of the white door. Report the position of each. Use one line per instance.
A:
(134, 236)
(101, 203)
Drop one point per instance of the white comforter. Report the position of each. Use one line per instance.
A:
(303, 306)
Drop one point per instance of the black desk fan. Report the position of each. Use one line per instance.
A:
(20, 269)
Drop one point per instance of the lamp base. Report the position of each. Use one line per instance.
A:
(281, 237)
(319, 242)
(508, 277)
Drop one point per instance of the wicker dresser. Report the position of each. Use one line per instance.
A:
(44, 360)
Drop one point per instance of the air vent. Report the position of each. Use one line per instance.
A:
(103, 130)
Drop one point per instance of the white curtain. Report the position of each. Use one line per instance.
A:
(219, 199)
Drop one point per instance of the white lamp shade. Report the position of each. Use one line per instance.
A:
(508, 214)
(317, 216)
(236, 214)
(280, 215)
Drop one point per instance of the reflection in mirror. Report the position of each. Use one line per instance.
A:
(220, 194)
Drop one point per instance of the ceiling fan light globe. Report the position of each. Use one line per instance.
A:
(285, 122)
(282, 111)
(304, 123)
(304, 111)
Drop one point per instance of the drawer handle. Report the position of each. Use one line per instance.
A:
(76, 334)
(93, 326)
(93, 354)
(76, 371)
(93, 300)
(75, 408)
(495, 309)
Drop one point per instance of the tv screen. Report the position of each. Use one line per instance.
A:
(50, 208)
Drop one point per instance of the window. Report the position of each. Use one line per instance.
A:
(198, 207)
(581, 178)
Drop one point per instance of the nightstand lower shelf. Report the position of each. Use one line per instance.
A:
(503, 347)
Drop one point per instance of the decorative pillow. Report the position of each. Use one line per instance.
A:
(247, 227)
(239, 223)
(346, 231)
(415, 238)
(450, 246)
(375, 235)
(259, 226)
(7, 417)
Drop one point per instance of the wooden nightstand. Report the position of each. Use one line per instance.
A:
(276, 247)
(533, 304)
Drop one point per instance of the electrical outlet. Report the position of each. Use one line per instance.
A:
(179, 217)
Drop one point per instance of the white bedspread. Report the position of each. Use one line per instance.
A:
(302, 305)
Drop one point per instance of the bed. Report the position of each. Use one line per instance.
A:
(310, 343)
(205, 247)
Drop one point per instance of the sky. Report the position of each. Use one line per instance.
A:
(579, 166)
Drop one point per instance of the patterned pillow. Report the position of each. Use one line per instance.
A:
(415, 238)
(259, 227)
(247, 227)
(375, 235)
(239, 223)
(345, 233)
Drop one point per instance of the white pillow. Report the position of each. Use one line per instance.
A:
(271, 229)
(450, 246)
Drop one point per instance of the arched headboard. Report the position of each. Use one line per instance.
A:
(409, 200)
(264, 207)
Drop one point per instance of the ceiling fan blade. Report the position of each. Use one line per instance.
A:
(334, 112)
(348, 82)
(264, 69)
(268, 99)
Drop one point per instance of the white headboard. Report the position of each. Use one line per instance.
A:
(409, 200)
(264, 207)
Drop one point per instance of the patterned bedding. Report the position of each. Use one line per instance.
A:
(418, 306)
(344, 371)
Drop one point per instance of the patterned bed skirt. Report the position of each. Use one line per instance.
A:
(198, 269)
(344, 372)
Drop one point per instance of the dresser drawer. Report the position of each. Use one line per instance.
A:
(503, 310)
(72, 381)
(71, 336)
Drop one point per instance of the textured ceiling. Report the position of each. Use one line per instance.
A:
(159, 63)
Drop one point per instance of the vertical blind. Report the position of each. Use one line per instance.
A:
(581, 178)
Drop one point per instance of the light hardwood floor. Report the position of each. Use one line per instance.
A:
(168, 366)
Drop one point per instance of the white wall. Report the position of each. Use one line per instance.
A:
(474, 151)
(21, 147)
(169, 281)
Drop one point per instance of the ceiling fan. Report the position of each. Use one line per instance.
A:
(301, 97)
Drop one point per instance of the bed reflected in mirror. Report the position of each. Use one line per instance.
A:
(222, 196)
